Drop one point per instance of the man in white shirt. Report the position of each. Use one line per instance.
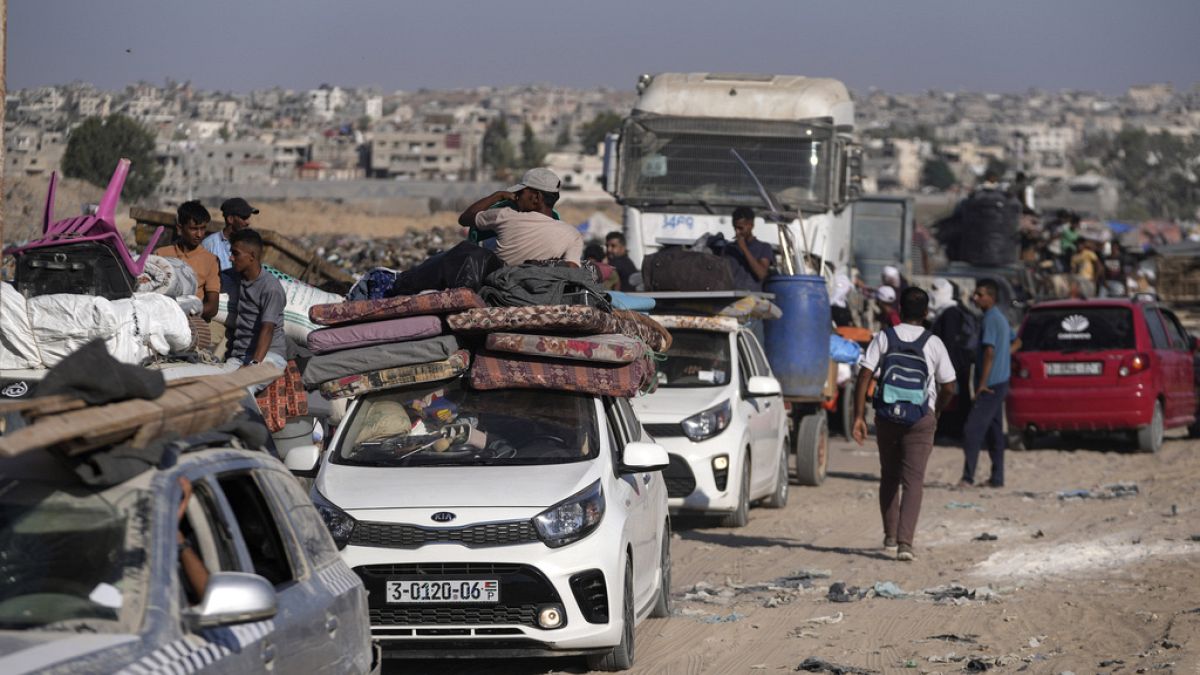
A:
(529, 231)
(904, 450)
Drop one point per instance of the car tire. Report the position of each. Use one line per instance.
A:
(1194, 429)
(621, 656)
(779, 496)
(662, 604)
(812, 449)
(741, 517)
(1150, 437)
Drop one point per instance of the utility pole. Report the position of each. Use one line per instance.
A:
(3, 92)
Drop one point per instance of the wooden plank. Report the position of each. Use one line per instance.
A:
(164, 218)
(188, 408)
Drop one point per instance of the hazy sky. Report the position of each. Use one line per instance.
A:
(896, 45)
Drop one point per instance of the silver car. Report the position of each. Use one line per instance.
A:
(105, 580)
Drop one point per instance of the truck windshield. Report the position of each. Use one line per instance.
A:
(697, 358)
(72, 559)
(449, 424)
(684, 160)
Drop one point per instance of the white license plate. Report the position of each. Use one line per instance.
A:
(436, 592)
(1075, 368)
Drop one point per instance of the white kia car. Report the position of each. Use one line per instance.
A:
(719, 413)
(508, 522)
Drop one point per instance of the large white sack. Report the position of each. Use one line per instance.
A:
(17, 348)
(169, 276)
(160, 323)
(51, 327)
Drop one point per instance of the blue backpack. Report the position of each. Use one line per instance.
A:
(900, 397)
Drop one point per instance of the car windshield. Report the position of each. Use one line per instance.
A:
(1068, 329)
(72, 558)
(449, 424)
(697, 358)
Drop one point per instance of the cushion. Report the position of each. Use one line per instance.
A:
(719, 324)
(439, 302)
(282, 399)
(536, 318)
(372, 333)
(518, 371)
(390, 378)
(643, 327)
(596, 348)
(331, 366)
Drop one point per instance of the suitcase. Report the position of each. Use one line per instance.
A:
(87, 268)
(678, 269)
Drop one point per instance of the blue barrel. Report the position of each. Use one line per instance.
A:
(797, 344)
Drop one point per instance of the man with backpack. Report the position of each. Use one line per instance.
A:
(916, 379)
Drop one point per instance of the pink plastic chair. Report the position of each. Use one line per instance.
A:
(100, 227)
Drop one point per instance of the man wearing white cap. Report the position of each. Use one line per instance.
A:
(891, 277)
(529, 231)
(885, 302)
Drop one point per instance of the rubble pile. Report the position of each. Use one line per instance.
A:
(357, 254)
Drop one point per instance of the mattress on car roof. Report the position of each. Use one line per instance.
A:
(400, 376)
(353, 335)
(595, 348)
(519, 371)
(357, 311)
(561, 319)
(326, 367)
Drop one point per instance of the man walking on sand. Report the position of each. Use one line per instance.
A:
(985, 422)
(916, 379)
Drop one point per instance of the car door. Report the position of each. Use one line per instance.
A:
(1161, 359)
(1184, 388)
(776, 414)
(337, 592)
(758, 420)
(296, 640)
(633, 492)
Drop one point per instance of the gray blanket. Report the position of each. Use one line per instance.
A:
(524, 285)
(331, 366)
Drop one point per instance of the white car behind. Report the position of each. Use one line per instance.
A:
(507, 522)
(719, 413)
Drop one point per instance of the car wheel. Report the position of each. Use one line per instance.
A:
(1194, 429)
(621, 656)
(662, 604)
(812, 449)
(779, 497)
(1150, 438)
(741, 516)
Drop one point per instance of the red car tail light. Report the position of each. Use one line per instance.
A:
(1019, 368)
(1132, 364)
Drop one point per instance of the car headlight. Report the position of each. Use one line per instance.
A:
(571, 519)
(340, 524)
(708, 423)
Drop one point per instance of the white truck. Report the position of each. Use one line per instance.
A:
(672, 168)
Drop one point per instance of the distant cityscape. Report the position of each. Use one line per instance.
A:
(209, 139)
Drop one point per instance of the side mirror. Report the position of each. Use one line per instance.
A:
(303, 460)
(761, 385)
(639, 457)
(233, 597)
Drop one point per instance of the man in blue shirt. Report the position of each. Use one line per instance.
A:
(237, 212)
(753, 257)
(985, 423)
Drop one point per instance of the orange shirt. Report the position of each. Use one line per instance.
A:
(203, 263)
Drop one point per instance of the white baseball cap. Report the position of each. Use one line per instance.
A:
(886, 294)
(538, 179)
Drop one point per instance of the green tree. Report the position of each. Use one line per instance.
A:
(593, 133)
(1156, 173)
(937, 173)
(96, 145)
(533, 151)
(497, 150)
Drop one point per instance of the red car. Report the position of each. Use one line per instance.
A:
(1102, 365)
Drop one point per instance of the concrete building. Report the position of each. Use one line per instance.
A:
(325, 101)
(187, 164)
(431, 153)
(32, 152)
(1150, 97)
(582, 175)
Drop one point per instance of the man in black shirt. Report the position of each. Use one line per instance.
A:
(618, 257)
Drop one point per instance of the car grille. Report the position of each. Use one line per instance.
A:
(524, 615)
(664, 430)
(681, 482)
(395, 535)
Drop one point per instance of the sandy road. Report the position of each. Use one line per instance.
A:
(1078, 584)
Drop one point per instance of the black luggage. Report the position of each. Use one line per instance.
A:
(678, 269)
(86, 268)
(988, 228)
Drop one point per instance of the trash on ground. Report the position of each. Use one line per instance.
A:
(1113, 491)
(986, 536)
(968, 638)
(887, 589)
(959, 594)
(1039, 534)
(827, 620)
(840, 592)
(730, 618)
(964, 505)
(814, 665)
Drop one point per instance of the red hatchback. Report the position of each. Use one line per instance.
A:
(1102, 365)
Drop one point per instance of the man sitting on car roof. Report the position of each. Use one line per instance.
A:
(525, 225)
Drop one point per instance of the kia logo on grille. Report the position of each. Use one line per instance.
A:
(443, 517)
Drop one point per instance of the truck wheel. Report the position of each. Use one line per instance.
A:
(1150, 438)
(812, 449)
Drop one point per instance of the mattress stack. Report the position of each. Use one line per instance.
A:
(369, 345)
(562, 347)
